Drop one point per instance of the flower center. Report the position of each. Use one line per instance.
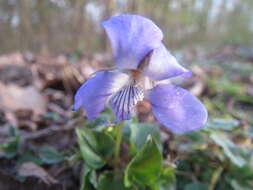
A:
(135, 73)
(139, 79)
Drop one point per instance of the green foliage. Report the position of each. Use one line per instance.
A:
(110, 181)
(146, 166)
(206, 159)
(249, 132)
(50, 155)
(29, 157)
(143, 171)
(236, 89)
(95, 147)
(196, 186)
(167, 179)
(89, 179)
(228, 148)
(217, 157)
(222, 124)
(11, 147)
(140, 132)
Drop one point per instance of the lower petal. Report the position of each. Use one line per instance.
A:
(93, 94)
(176, 108)
(124, 101)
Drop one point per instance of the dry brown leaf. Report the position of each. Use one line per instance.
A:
(13, 97)
(30, 169)
(15, 58)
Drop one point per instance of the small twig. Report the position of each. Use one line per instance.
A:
(49, 131)
(57, 109)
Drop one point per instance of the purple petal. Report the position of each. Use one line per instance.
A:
(93, 94)
(162, 65)
(123, 102)
(177, 108)
(131, 37)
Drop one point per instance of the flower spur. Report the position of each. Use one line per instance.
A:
(141, 60)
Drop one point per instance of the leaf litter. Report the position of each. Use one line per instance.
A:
(36, 96)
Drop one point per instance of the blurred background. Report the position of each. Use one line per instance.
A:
(49, 47)
(58, 26)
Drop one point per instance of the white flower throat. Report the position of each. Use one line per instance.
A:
(124, 101)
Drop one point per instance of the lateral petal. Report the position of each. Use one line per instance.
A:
(160, 64)
(176, 108)
(93, 94)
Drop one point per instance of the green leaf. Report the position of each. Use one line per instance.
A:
(227, 146)
(140, 132)
(50, 155)
(235, 89)
(108, 181)
(168, 179)
(89, 179)
(196, 140)
(11, 148)
(249, 131)
(196, 186)
(238, 186)
(242, 175)
(145, 168)
(222, 124)
(95, 146)
(215, 177)
(29, 157)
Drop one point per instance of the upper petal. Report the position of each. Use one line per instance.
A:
(160, 64)
(177, 108)
(93, 94)
(131, 37)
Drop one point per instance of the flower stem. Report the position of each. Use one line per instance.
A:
(119, 134)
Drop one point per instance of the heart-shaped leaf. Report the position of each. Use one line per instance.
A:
(95, 146)
(145, 168)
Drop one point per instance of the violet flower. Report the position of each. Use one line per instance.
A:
(141, 60)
